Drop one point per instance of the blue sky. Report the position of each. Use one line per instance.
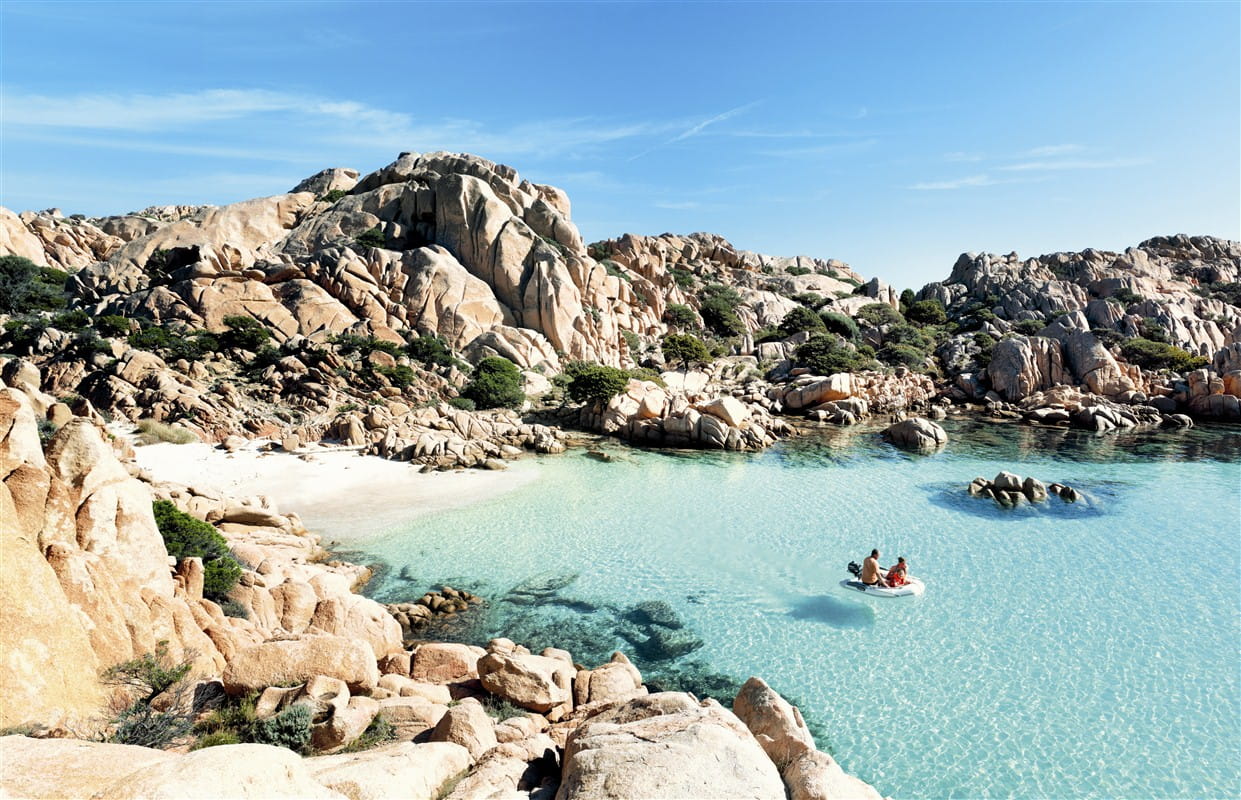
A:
(893, 136)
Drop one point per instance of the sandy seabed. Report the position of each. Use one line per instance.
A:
(338, 492)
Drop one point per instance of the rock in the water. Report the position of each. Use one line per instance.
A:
(917, 434)
(657, 612)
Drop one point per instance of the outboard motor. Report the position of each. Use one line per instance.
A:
(855, 569)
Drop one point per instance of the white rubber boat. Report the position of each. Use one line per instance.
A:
(913, 588)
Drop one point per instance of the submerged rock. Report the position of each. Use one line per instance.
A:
(655, 612)
(916, 434)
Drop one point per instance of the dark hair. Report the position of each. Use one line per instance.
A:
(875, 552)
(900, 559)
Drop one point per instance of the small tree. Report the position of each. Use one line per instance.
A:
(800, 319)
(371, 238)
(150, 676)
(685, 348)
(430, 350)
(26, 287)
(824, 355)
(244, 333)
(680, 316)
(926, 312)
(717, 306)
(496, 384)
(877, 314)
(597, 384)
(186, 537)
(838, 323)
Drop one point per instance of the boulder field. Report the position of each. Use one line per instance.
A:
(88, 584)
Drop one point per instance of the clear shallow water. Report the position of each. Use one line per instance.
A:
(1086, 650)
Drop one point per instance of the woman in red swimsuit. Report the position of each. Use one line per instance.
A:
(896, 573)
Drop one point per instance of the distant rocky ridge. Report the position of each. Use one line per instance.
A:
(464, 249)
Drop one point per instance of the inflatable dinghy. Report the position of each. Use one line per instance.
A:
(912, 587)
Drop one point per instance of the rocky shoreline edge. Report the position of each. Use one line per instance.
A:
(88, 584)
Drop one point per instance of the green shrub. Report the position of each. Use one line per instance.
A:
(400, 376)
(376, 733)
(186, 537)
(21, 334)
(114, 325)
(151, 673)
(680, 316)
(906, 334)
(289, 729)
(372, 238)
(1029, 327)
(244, 333)
(141, 725)
(810, 300)
(430, 350)
(838, 323)
(349, 343)
(71, 321)
(879, 314)
(682, 277)
(216, 740)
(150, 676)
(797, 271)
(1150, 329)
(1108, 336)
(647, 374)
(823, 355)
(765, 335)
(717, 306)
(1228, 292)
(462, 403)
(26, 287)
(1126, 297)
(1154, 355)
(986, 344)
(901, 354)
(907, 300)
(926, 312)
(496, 384)
(333, 196)
(597, 384)
(800, 319)
(685, 348)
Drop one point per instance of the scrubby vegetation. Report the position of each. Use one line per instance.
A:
(496, 384)
(680, 316)
(152, 432)
(236, 722)
(26, 287)
(800, 319)
(685, 348)
(837, 323)
(1155, 355)
(186, 537)
(717, 305)
(146, 678)
(595, 383)
(430, 351)
(926, 312)
(879, 314)
(371, 238)
(823, 354)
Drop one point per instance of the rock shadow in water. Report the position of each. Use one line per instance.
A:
(833, 611)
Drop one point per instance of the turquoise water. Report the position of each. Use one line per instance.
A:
(1089, 650)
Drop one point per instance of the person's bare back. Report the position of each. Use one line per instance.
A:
(870, 570)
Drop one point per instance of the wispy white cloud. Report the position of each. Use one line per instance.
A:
(1052, 150)
(698, 128)
(1073, 164)
(323, 123)
(823, 149)
(957, 183)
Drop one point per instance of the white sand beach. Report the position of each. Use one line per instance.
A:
(338, 492)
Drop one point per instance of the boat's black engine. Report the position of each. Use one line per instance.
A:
(855, 569)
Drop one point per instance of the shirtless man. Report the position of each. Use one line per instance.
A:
(870, 571)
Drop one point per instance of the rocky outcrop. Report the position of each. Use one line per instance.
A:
(666, 746)
(1009, 490)
(917, 434)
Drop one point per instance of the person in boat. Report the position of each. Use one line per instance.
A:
(897, 573)
(871, 576)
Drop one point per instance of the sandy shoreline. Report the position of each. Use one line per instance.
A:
(338, 493)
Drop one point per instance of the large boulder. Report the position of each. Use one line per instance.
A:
(468, 725)
(816, 776)
(916, 434)
(445, 662)
(258, 771)
(535, 682)
(1021, 366)
(405, 770)
(823, 390)
(777, 725)
(81, 768)
(695, 751)
(298, 660)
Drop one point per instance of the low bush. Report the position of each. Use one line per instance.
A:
(682, 277)
(71, 321)
(824, 355)
(1126, 297)
(879, 314)
(986, 344)
(1029, 327)
(901, 355)
(496, 384)
(1154, 355)
(430, 350)
(149, 676)
(400, 376)
(800, 319)
(372, 238)
(244, 333)
(926, 312)
(27, 287)
(186, 537)
(462, 403)
(680, 316)
(717, 307)
(333, 196)
(152, 432)
(289, 729)
(376, 733)
(840, 324)
(1149, 328)
(797, 271)
(597, 384)
(685, 348)
(632, 341)
(23, 333)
